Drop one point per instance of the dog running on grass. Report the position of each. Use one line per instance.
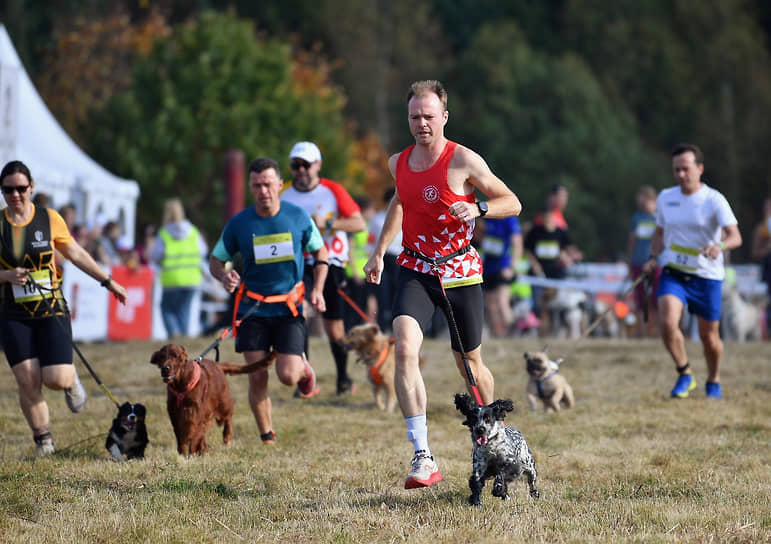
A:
(500, 452)
(376, 350)
(198, 394)
(128, 434)
(546, 383)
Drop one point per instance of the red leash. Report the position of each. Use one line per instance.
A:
(353, 305)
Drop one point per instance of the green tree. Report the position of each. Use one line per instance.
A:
(539, 120)
(209, 87)
(688, 70)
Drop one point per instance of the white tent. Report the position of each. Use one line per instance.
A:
(29, 133)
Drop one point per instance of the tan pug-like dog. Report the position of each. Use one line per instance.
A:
(546, 383)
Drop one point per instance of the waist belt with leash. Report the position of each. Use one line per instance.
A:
(292, 299)
(440, 260)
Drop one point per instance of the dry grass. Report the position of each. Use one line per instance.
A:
(626, 465)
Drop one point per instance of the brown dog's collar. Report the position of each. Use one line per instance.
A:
(181, 395)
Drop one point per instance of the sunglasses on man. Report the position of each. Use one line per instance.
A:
(10, 189)
(297, 164)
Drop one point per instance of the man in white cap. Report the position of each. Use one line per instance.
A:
(336, 215)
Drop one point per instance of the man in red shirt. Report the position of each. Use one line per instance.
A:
(435, 208)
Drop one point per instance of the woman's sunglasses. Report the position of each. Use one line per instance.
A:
(10, 189)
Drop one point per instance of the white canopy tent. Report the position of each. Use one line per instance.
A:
(31, 134)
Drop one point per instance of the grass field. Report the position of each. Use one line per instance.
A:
(627, 464)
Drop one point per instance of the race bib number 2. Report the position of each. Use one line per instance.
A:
(28, 292)
(273, 248)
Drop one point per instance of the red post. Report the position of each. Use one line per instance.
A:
(234, 182)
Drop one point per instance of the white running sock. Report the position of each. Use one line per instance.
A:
(417, 432)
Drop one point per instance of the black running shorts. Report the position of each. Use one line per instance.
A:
(418, 295)
(47, 338)
(285, 334)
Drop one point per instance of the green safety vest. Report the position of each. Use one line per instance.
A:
(359, 256)
(181, 264)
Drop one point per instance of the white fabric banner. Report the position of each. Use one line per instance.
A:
(88, 304)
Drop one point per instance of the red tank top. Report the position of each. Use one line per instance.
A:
(427, 226)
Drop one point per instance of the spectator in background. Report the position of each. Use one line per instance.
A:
(385, 292)
(70, 216)
(641, 229)
(145, 243)
(556, 201)
(179, 252)
(41, 200)
(502, 249)
(106, 250)
(761, 251)
(550, 252)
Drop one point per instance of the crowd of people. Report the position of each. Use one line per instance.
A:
(430, 252)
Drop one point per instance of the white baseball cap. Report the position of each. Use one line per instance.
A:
(307, 151)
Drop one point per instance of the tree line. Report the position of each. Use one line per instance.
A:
(586, 93)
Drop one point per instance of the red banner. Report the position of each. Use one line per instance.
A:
(133, 320)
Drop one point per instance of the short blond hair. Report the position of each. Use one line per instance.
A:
(428, 86)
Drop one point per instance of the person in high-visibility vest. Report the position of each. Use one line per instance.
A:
(179, 252)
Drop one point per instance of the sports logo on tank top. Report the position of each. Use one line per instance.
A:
(431, 193)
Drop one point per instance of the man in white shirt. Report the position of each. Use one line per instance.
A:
(694, 226)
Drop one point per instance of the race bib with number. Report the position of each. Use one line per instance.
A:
(547, 249)
(645, 229)
(273, 248)
(492, 246)
(686, 258)
(28, 292)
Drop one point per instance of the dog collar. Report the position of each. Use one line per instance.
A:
(539, 382)
(196, 378)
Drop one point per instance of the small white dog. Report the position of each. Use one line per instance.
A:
(740, 320)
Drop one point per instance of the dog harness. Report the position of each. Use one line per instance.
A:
(181, 395)
(374, 370)
(291, 299)
(539, 382)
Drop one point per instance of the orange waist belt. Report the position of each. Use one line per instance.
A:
(291, 299)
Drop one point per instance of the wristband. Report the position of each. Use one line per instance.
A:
(722, 246)
(106, 282)
(317, 263)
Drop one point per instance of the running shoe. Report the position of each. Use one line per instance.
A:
(713, 390)
(307, 386)
(44, 445)
(685, 384)
(75, 395)
(346, 386)
(424, 472)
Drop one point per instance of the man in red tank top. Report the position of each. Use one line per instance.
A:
(435, 208)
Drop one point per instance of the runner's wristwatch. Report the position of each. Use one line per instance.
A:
(482, 208)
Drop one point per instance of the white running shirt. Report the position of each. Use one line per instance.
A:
(690, 223)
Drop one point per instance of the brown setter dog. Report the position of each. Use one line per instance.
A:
(198, 394)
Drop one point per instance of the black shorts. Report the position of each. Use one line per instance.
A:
(285, 334)
(493, 280)
(418, 295)
(49, 339)
(336, 279)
